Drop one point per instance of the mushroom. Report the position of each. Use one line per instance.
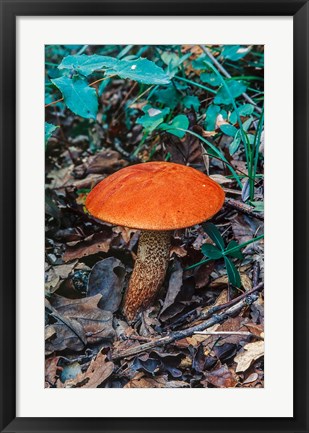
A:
(156, 198)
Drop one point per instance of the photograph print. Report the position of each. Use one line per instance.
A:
(154, 216)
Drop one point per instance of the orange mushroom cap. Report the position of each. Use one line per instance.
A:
(156, 196)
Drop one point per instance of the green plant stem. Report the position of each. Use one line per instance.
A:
(226, 252)
(195, 84)
(238, 247)
(257, 142)
(198, 264)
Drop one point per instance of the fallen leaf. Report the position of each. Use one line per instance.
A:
(107, 278)
(174, 286)
(252, 378)
(180, 251)
(126, 233)
(98, 371)
(67, 334)
(202, 274)
(79, 322)
(251, 352)
(97, 243)
(140, 381)
(222, 377)
(220, 179)
(51, 367)
(108, 161)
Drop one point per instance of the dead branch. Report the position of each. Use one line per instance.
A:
(179, 335)
(244, 208)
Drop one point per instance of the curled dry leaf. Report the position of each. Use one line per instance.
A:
(107, 278)
(98, 371)
(174, 286)
(251, 352)
(56, 274)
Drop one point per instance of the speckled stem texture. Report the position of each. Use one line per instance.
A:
(149, 271)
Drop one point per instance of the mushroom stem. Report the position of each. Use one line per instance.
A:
(149, 271)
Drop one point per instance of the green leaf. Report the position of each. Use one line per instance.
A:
(211, 117)
(234, 52)
(49, 129)
(181, 121)
(258, 206)
(214, 234)
(210, 78)
(85, 64)
(229, 130)
(237, 253)
(232, 272)
(235, 143)
(172, 62)
(191, 102)
(235, 87)
(245, 110)
(211, 251)
(79, 97)
(247, 124)
(152, 118)
(168, 96)
(199, 63)
(141, 70)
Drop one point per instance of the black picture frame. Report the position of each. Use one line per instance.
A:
(10, 9)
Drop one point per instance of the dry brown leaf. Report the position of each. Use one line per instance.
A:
(194, 341)
(99, 242)
(223, 377)
(107, 161)
(51, 367)
(98, 371)
(251, 352)
(220, 179)
(252, 378)
(126, 233)
(139, 381)
(61, 178)
(178, 250)
(223, 281)
(96, 323)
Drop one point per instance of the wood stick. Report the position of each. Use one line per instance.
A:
(179, 335)
(244, 208)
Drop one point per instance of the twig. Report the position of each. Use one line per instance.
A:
(234, 301)
(227, 333)
(196, 314)
(244, 208)
(227, 75)
(179, 335)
